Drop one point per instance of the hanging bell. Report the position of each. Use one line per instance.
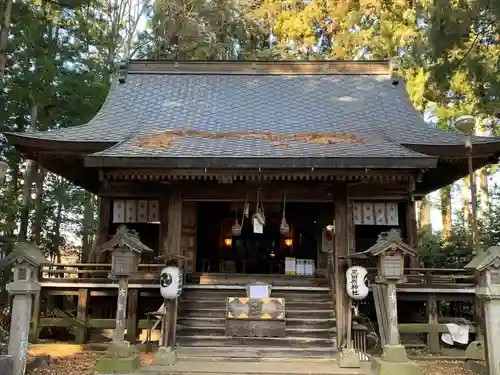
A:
(236, 229)
(284, 227)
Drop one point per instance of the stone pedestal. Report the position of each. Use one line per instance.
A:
(23, 291)
(394, 362)
(166, 356)
(492, 323)
(120, 358)
(349, 358)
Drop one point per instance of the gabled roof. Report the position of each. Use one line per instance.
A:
(127, 238)
(28, 252)
(387, 241)
(483, 260)
(237, 114)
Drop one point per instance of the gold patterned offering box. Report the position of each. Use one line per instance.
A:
(255, 317)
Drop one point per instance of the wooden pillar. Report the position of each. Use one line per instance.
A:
(35, 317)
(104, 224)
(173, 247)
(341, 264)
(162, 248)
(412, 231)
(432, 315)
(133, 298)
(121, 308)
(81, 316)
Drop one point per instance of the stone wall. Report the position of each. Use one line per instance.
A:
(5, 365)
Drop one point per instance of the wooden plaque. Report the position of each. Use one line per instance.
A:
(255, 317)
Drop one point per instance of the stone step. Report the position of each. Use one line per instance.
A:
(211, 367)
(222, 341)
(245, 279)
(290, 332)
(291, 296)
(220, 303)
(221, 313)
(316, 323)
(257, 353)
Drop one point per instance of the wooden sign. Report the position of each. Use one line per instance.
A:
(255, 317)
(380, 213)
(135, 211)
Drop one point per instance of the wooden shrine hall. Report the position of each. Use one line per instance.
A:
(252, 169)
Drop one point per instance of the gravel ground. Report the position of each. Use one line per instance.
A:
(82, 363)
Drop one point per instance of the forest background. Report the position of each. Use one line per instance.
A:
(58, 57)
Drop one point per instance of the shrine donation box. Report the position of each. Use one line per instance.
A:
(255, 317)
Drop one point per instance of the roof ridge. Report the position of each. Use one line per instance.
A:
(282, 67)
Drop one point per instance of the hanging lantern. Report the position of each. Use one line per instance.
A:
(284, 227)
(236, 229)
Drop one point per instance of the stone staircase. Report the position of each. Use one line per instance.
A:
(310, 319)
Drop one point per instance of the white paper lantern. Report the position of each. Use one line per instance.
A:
(356, 282)
(171, 282)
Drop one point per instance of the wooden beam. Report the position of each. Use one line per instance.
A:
(35, 318)
(164, 206)
(81, 315)
(105, 206)
(432, 309)
(412, 231)
(341, 263)
(173, 247)
(133, 299)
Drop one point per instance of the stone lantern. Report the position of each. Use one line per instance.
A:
(25, 260)
(126, 249)
(391, 250)
(487, 266)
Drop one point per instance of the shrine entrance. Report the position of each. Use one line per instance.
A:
(254, 251)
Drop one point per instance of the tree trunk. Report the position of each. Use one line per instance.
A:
(6, 9)
(484, 195)
(424, 216)
(37, 223)
(466, 202)
(446, 211)
(29, 176)
(483, 191)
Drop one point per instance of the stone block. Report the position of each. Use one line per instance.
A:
(381, 367)
(349, 359)
(119, 358)
(6, 367)
(165, 357)
(394, 354)
(475, 351)
(106, 365)
(477, 367)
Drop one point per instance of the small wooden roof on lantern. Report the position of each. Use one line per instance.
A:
(485, 260)
(126, 238)
(26, 252)
(202, 117)
(386, 241)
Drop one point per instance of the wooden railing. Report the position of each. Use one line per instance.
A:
(441, 279)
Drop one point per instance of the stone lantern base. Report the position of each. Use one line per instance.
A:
(119, 358)
(394, 362)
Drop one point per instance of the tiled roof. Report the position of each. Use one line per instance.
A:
(367, 105)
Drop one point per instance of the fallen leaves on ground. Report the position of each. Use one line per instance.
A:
(82, 363)
(444, 368)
